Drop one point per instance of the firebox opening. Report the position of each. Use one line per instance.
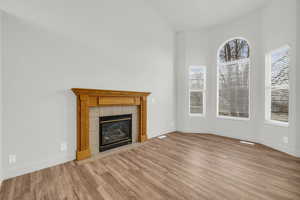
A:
(115, 131)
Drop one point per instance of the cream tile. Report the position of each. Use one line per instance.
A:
(96, 112)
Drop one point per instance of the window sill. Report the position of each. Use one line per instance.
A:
(196, 115)
(277, 123)
(234, 118)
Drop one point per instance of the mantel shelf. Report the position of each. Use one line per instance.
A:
(96, 92)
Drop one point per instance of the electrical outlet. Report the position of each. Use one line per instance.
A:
(12, 159)
(63, 146)
(285, 140)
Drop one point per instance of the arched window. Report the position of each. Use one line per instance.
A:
(233, 79)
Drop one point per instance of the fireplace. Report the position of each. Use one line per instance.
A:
(114, 131)
(89, 98)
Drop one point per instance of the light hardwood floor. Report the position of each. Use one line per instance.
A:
(181, 166)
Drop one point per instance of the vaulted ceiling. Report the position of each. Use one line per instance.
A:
(180, 14)
(196, 14)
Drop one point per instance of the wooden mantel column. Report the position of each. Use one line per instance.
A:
(83, 141)
(143, 119)
(91, 98)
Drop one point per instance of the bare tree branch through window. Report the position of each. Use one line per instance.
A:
(233, 71)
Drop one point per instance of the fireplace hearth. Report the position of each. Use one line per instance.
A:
(115, 131)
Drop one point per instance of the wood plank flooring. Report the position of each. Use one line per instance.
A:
(181, 166)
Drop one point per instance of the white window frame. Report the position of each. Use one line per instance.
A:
(199, 90)
(268, 89)
(249, 82)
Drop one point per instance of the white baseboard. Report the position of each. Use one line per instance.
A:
(59, 159)
(223, 135)
(292, 152)
(281, 148)
(165, 132)
(50, 162)
(35, 166)
(56, 160)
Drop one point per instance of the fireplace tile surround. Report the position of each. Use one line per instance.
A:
(96, 112)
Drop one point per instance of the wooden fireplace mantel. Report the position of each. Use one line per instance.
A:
(87, 98)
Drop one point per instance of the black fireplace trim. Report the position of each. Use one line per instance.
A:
(112, 145)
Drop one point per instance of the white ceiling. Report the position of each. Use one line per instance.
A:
(196, 14)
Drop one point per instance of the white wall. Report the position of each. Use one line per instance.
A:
(274, 37)
(52, 47)
(298, 79)
(200, 48)
(1, 127)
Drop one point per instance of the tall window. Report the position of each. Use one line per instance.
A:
(277, 86)
(233, 79)
(197, 87)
